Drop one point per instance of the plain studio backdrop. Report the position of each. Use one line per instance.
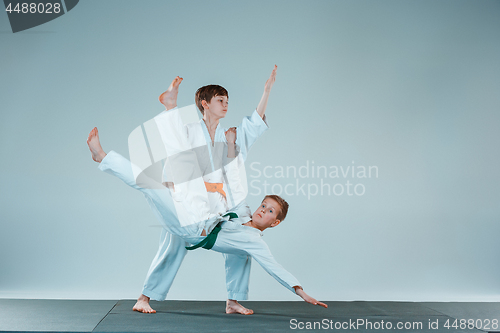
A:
(408, 90)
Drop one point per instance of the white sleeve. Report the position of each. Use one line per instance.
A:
(261, 253)
(250, 129)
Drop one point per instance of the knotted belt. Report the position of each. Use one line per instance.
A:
(215, 187)
(209, 241)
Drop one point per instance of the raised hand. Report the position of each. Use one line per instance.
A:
(270, 81)
(261, 108)
(231, 135)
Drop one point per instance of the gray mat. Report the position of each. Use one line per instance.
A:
(52, 315)
(201, 316)
(480, 312)
(194, 316)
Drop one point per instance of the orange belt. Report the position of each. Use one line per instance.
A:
(215, 187)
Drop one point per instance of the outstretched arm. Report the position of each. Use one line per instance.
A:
(299, 291)
(261, 253)
(261, 108)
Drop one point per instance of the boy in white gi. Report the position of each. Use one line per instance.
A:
(212, 102)
(233, 232)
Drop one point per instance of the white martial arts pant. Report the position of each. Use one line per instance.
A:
(169, 257)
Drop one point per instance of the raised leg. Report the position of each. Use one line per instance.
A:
(95, 146)
(160, 200)
(169, 97)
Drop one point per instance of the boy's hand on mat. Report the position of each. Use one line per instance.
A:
(270, 81)
(308, 298)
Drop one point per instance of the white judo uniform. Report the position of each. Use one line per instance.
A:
(171, 251)
(234, 238)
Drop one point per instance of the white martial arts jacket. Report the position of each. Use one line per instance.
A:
(205, 160)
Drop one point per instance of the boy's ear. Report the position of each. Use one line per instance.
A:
(275, 223)
(204, 104)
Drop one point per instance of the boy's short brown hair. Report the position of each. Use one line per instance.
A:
(283, 205)
(206, 93)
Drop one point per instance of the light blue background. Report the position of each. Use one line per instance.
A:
(411, 87)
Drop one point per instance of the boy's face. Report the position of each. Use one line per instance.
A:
(217, 107)
(266, 215)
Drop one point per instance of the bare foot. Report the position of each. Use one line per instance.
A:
(233, 306)
(142, 305)
(169, 97)
(95, 146)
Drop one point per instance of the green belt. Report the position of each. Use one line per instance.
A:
(209, 241)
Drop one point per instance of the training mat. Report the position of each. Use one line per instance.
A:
(52, 315)
(209, 316)
(197, 316)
